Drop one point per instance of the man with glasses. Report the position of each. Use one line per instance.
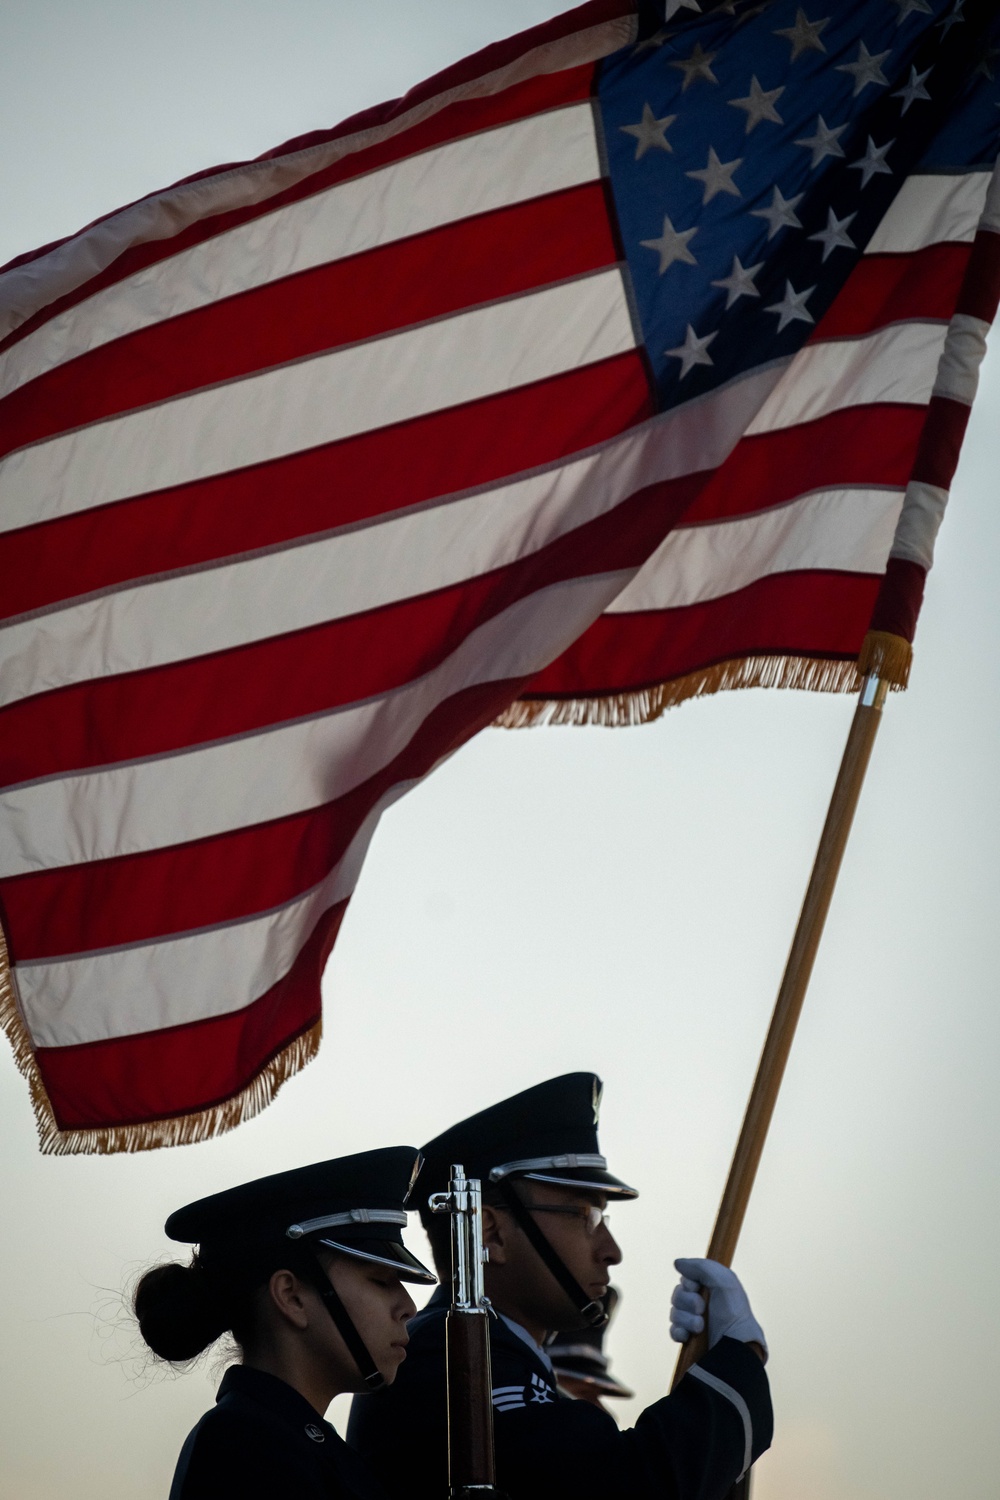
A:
(546, 1193)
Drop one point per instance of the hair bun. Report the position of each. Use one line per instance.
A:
(177, 1313)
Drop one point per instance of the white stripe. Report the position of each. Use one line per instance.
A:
(963, 353)
(919, 522)
(737, 1400)
(254, 779)
(930, 210)
(320, 400)
(220, 970)
(895, 364)
(848, 530)
(526, 159)
(238, 603)
(27, 289)
(991, 212)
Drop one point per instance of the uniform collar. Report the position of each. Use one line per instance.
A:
(271, 1392)
(525, 1337)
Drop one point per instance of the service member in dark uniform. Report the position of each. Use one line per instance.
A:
(546, 1188)
(306, 1270)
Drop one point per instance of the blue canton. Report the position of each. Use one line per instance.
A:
(754, 149)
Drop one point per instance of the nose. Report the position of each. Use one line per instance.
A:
(405, 1306)
(609, 1253)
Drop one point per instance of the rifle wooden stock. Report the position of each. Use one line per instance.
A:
(470, 1414)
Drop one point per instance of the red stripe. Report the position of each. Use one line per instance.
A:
(498, 55)
(885, 289)
(941, 441)
(468, 117)
(339, 484)
(981, 291)
(136, 898)
(364, 296)
(899, 598)
(797, 614)
(861, 445)
(162, 1074)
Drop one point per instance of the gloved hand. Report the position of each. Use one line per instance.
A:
(729, 1314)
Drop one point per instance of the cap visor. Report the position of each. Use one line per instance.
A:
(385, 1253)
(596, 1179)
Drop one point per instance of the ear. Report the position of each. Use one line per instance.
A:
(286, 1293)
(496, 1235)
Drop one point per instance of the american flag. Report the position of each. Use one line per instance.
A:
(627, 359)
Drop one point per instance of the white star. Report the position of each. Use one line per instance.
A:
(954, 17)
(717, 177)
(804, 35)
(825, 142)
(698, 65)
(835, 234)
(673, 6)
(792, 307)
(649, 132)
(911, 7)
(693, 351)
(759, 104)
(873, 163)
(866, 69)
(672, 245)
(739, 282)
(914, 89)
(780, 214)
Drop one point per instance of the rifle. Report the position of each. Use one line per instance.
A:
(471, 1470)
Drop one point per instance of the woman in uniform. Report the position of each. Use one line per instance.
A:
(306, 1271)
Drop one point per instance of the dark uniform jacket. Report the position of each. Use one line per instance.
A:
(691, 1445)
(263, 1441)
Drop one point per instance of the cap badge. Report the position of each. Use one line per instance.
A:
(596, 1099)
(413, 1176)
(316, 1433)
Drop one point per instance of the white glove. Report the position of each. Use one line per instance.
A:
(729, 1314)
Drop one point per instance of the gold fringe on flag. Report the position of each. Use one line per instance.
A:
(148, 1135)
(620, 710)
(887, 656)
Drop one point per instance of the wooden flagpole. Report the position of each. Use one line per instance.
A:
(788, 1006)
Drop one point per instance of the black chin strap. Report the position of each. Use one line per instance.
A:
(593, 1313)
(370, 1373)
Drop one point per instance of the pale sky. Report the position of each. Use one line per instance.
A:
(554, 899)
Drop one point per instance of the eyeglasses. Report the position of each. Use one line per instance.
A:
(589, 1214)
